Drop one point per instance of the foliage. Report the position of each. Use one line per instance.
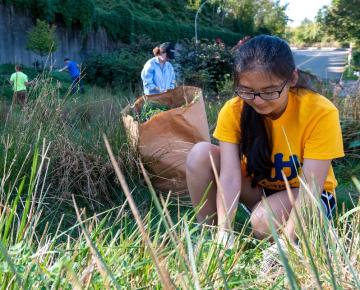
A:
(118, 23)
(6, 70)
(347, 101)
(121, 68)
(352, 69)
(78, 12)
(59, 80)
(270, 17)
(356, 58)
(349, 73)
(108, 250)
(74, 125)
(205, 65)
(42, 39)
(245, 12)
(70, 12)
(124, 19)
(341, 19)
(256, 17)
(150, 109)
(307, 34)
(171, 30)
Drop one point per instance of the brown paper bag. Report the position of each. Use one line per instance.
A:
(164, 141)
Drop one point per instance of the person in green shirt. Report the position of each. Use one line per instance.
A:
(19, 81)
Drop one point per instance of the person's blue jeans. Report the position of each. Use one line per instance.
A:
(76, 81)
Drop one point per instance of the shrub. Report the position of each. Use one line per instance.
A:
(122, 68)
(205, 65)
(356, 58)
(42, 39)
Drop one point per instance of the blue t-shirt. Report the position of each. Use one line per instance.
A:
(73, 69)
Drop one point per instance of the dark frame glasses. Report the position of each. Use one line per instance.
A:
(264, 95)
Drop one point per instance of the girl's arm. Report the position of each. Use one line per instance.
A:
(228, 192)
(147, 76)
(313, 171)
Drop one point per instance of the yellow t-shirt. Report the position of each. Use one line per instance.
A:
(308, 128)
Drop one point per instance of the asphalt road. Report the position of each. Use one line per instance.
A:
(326, 64)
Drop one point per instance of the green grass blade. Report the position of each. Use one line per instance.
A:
(10, 217)
(11, 265)
(191, 255)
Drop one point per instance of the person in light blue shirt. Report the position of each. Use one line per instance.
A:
(158, 74)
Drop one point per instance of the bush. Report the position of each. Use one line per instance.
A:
(120, 69)
(118, 23)
(206, 65)
(356, 59)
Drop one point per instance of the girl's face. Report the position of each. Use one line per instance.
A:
(163, 57)
(258, 81)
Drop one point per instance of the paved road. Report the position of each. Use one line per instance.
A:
(326, 64)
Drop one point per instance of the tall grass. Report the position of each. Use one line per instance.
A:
(54, 160)
(110, 250)
(73, 126)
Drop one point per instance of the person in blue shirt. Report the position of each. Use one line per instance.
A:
(74, 71)
(158, 74)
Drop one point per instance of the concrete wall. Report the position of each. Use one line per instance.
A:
(15, 24)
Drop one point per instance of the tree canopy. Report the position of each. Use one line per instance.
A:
(341, 19)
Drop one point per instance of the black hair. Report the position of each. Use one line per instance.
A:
(273, 55)
(66, 59)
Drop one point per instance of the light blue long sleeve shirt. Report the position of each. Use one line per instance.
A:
(156, 78)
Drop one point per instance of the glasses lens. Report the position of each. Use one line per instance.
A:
(270, 96)
(244, 95)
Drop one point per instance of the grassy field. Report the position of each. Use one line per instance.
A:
(65, 222)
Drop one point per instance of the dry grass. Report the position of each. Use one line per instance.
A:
(73, 126)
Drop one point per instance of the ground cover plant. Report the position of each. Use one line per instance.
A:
(65, 221)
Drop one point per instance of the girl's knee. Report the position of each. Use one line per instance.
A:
(198, 156)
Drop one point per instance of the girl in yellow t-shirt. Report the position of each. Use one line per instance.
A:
(274, 125)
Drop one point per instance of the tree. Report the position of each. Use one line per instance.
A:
(243, 12)
(258, 16)
(271, 17)
(341, 20)
(308, 33)
(42, 39)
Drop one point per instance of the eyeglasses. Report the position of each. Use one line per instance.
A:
(264, 95)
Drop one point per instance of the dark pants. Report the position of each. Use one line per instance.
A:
(76, 81)
(19, 98)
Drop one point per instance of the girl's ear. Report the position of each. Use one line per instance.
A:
(294, 78)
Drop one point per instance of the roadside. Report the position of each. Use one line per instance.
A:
(324, 48)
(327, 64)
